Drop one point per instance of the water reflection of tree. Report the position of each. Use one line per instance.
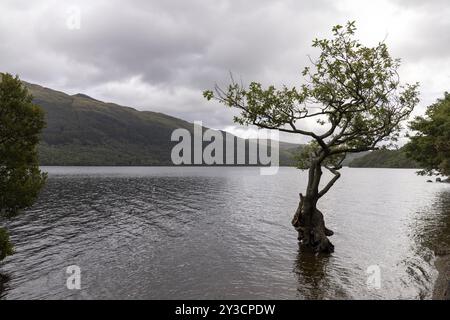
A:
(3, 282)
(443, 235)
(432, 224)
(3, 277)
(310, 270)
(430, 232)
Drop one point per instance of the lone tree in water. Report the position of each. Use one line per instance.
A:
(20, 178)
(354, 94)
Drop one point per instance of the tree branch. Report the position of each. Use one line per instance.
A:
(337, 175)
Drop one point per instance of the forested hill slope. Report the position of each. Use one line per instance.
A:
(384, 158)
(85, 131)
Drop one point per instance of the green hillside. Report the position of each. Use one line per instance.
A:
(85, 131)
(384, 158)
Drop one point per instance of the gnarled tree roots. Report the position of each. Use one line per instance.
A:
(310, 225)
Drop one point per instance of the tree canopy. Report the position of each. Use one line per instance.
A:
(20, 125)
(430, 143)
(352, 91)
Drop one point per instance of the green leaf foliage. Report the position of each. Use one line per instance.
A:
(20, 125)
(430, 143)
(352, 91)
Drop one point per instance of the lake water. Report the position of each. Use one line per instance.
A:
(223, 233)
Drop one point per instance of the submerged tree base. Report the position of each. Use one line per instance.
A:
(310, 225)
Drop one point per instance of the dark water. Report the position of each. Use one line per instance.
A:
(216, 233)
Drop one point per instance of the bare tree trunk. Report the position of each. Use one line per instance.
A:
(308, 220)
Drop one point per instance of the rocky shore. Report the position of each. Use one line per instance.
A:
(442, 286)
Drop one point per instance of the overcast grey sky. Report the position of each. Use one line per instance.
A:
(161, 55)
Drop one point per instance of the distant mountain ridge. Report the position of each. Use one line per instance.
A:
(82, 130)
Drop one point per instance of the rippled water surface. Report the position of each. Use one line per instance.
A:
(223, 233)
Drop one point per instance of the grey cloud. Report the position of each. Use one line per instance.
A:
(169, 44)
(177, 48)
(430, 4)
